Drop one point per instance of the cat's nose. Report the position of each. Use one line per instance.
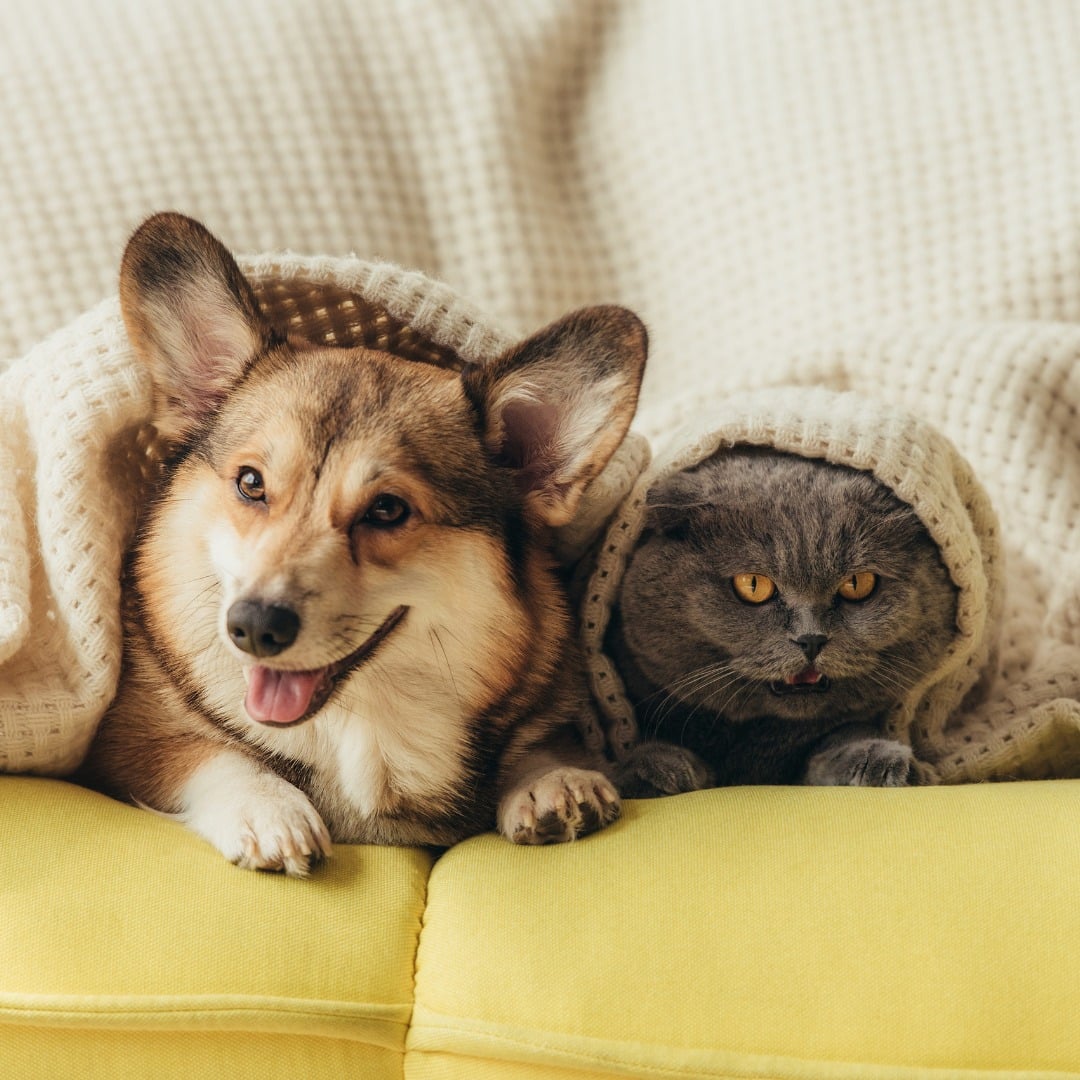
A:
(811, 645)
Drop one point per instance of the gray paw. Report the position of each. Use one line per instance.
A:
(863, 763)
(653, 769)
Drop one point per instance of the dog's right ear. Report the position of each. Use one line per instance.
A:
(192, 317)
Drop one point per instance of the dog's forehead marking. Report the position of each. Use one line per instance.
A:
(325, 426)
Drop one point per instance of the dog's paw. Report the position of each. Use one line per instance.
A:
(653, 769)
(255, 818)
(863, 763)
(560, 805)
(286, 834)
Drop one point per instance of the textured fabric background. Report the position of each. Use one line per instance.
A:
(741, 172)
(877, 195)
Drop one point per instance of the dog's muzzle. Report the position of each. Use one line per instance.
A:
(283, 698)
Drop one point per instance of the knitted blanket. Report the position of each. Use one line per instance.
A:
(877, 196)
(77, 456)
(979, 715)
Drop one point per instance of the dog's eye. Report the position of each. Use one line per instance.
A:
(385, 511)
(250, 484)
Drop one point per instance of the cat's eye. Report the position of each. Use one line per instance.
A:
(858, 586)
(753, 588)
(249, 483)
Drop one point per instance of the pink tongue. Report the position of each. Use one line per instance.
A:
(280, 697)
(808, 676)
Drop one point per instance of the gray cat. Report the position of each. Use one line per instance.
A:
(774, 610)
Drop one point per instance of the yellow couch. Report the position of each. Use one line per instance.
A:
(749, 932)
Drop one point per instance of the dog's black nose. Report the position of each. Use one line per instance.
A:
(262, 629)
(811, 645)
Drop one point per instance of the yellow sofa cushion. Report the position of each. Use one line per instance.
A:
(122, 934)
(764, 932)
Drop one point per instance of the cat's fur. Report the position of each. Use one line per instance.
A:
(704, 667)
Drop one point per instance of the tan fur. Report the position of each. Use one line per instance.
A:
(464, 712)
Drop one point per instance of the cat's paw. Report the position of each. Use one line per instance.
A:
(652, 769)
(560, 805)
(867, 762)
(254, 817)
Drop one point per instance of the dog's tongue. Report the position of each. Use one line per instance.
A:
(280, 697)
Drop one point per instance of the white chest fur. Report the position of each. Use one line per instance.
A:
(380, 742)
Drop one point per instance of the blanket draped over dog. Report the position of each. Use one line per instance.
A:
(878, 197)
(77, 455)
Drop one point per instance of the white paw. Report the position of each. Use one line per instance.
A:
(254, 817)
(562, 804)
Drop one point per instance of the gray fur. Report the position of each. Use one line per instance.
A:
(703, 667)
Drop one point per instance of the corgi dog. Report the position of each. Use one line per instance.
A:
(342, 619)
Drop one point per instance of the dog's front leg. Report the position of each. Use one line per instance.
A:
(552, 794)
(254, 817)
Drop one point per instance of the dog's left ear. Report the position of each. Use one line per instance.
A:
(557, 406)
(191, 316)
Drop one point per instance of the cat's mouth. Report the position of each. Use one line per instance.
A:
(807, 681)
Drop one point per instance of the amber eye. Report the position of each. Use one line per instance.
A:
(858, 586)
(753, 588)
(250, 484)
(386, 511)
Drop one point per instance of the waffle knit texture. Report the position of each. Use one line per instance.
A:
(876, 196)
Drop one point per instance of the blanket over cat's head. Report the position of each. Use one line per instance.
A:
(909, 457)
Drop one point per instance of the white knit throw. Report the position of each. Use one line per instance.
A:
(979, 715)
(877, 196)
(77, 457)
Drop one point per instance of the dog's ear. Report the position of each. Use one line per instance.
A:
(557, 406)
(191, 316)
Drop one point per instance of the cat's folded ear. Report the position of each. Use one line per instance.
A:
(671, 502)
(192, 317)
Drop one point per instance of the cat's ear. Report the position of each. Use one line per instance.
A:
(191, 316)
(671, 502)
(555, 407)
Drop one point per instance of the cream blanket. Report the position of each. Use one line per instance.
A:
(77, 456)
(980, 715)
(879, 196)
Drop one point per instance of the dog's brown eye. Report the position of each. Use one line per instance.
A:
(386, 510)
(250, 484)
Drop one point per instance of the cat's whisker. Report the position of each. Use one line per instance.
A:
(683, 681)
(742, 690)
(893, 684)
(713, 679)
(720, 687)
(692, 681)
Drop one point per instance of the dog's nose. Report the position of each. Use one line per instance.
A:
(811, 645)
(262, 629)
